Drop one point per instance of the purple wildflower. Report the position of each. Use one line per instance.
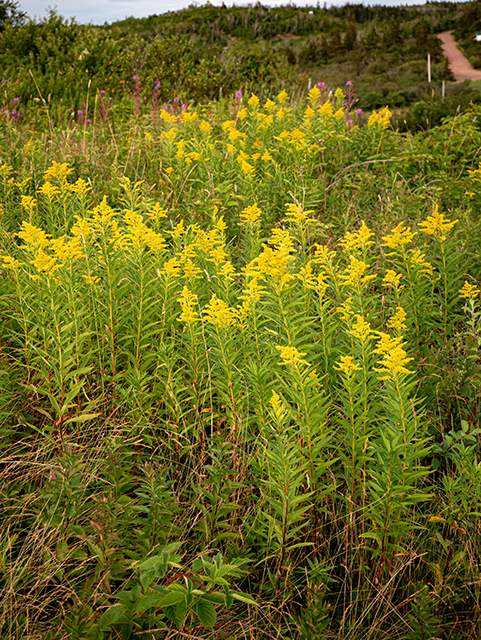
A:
(358, 112)
(238, 95)
(348, 83)
(320, 85)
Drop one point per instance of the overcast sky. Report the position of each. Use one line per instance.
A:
(100, 11)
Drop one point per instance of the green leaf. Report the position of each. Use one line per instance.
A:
(206, 613)
(112, 615)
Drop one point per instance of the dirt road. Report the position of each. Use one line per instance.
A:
(459, 64)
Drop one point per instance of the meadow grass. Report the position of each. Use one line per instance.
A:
(240, 374)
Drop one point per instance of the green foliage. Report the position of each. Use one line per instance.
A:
(240, 372)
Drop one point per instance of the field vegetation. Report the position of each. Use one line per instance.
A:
(204, 52)
(239, 343)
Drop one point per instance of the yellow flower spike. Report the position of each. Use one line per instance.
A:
(10, 263)
(279, 410)
(400, 236)
(361, 329)
(5, 170)
(91, 280)
(354, 275)
(314, 94)
(266, 156)
(45, 263)
(396, 321)
(347, 366)
(242, 114)
(178, 231)
(228, 124)
(189, 116)
(28, 203)
(437, 225)
(169, 170)
(283, 97)
(296, 214)
(251, 215)
(282, 240)
(167, 117)
(327, 111)
(339, 115)
(67, 248)
(48, 189)
(392, 279)
(339, 94)
(157, 213)
(253, 101)
(309, 113)
(346, 310)
(357, 240)
(188, 303)
(324, 257)
(171, 268)
(270, 106)
(80, 187)
(382, 118)
(252, 292)
(469, 291)
(34, 237)
(394, 357)
(218, 313)
(58, 171)
(205, 126)
(102, 213)
(81, 228)
(291, 356)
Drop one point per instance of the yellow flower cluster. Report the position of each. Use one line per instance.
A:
(357, 240)
(355, 274)
(437, 225)
(469, 291)
(396, 321)
(347, 366)
(188, 303)
(297, 214)
(291, 356)
(394, 357)
(381, 119)
(251, 215)
(218, 313)
(400, 236)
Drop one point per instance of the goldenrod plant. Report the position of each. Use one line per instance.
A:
(240, 376)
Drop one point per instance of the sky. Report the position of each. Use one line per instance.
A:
(100, 11)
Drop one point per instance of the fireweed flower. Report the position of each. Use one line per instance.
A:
(437, 225)
(347, 366)
(290, 355)
(218, 313)
(469, 291)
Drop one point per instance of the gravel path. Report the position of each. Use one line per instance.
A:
(459, 64)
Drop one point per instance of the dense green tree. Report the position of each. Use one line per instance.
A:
(10, 14)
